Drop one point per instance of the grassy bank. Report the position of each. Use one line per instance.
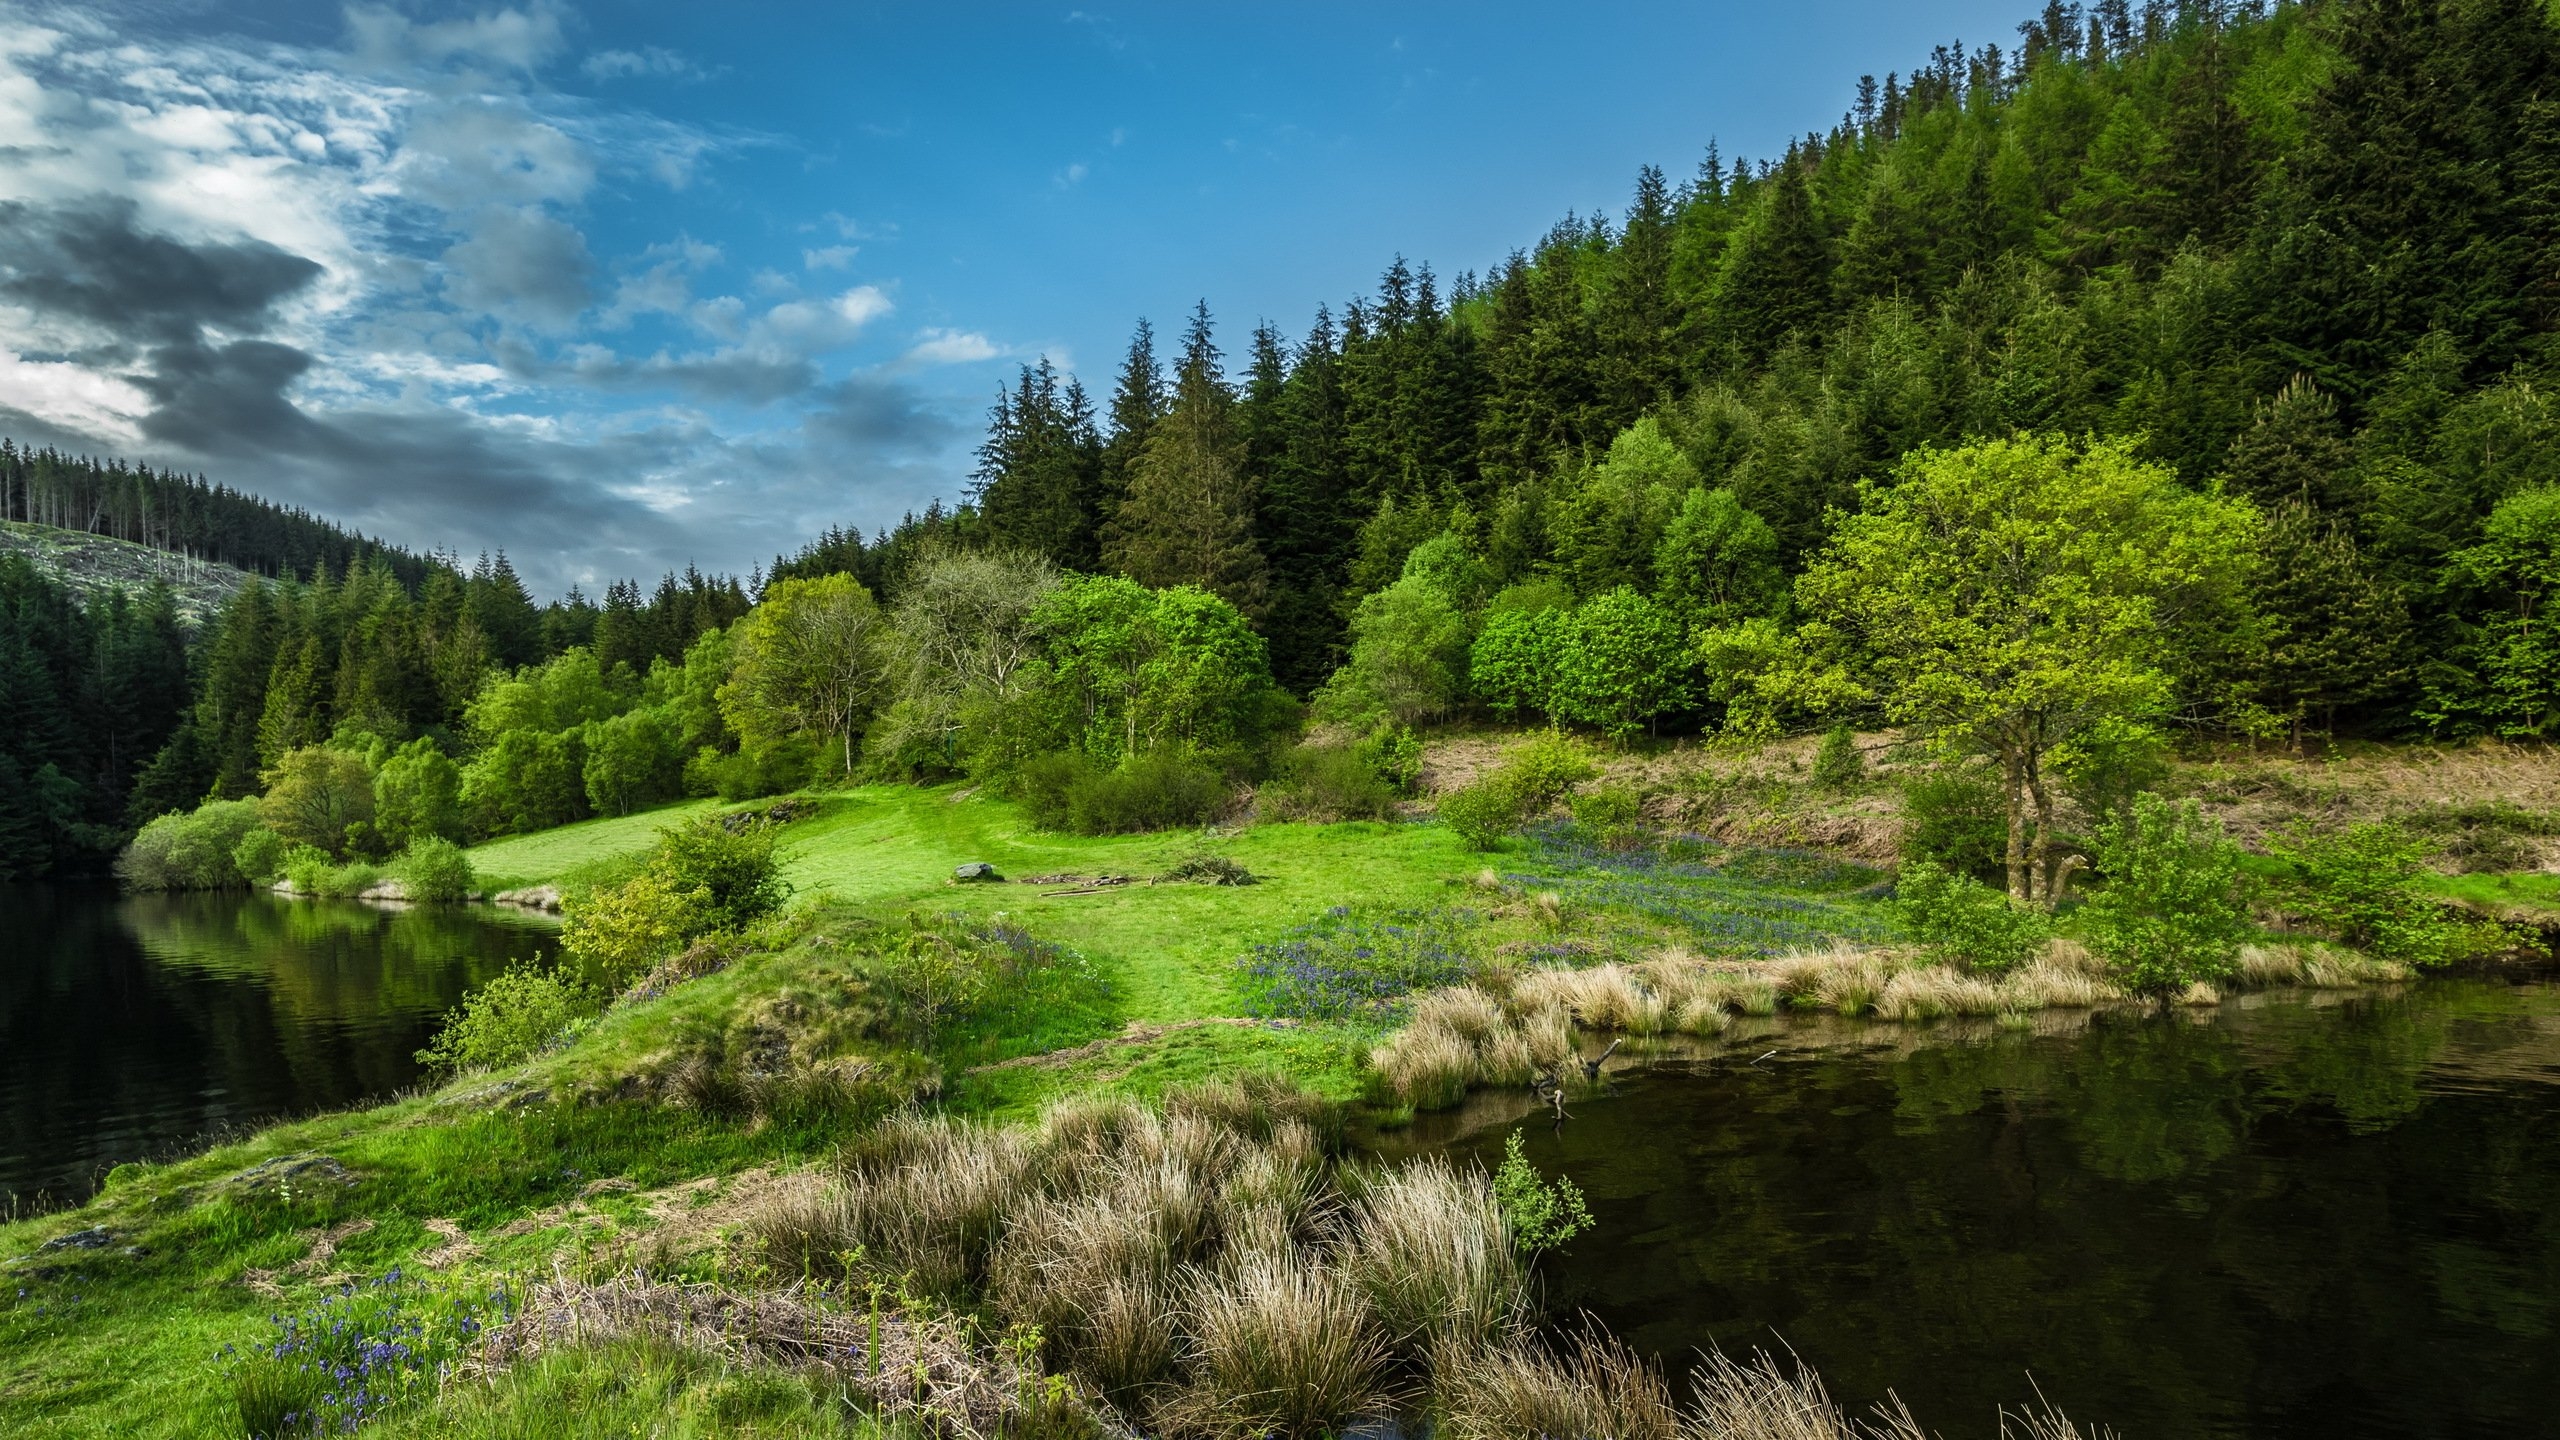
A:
(649, 1148)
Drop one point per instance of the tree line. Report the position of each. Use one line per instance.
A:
(185, 515)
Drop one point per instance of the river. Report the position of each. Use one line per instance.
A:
(2333, 1215)
(134, 1026)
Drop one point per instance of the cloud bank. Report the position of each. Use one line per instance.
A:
(368, 279)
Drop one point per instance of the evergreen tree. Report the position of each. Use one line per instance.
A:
(1137, 402)
(1188, 516)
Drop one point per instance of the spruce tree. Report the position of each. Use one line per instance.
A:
(1188, 516)
(1137, 402)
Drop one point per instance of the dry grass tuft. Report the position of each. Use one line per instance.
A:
(1280, 1346)
(1432, 1254)
(1524, 1389)
(1927, 992)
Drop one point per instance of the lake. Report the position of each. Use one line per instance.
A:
(132, 1026)
(2332, 1215)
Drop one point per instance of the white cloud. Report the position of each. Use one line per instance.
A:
(829, 257)
(952, 347)
(649, 60)
(1073, 175)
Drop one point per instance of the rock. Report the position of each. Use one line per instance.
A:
(384, 889)
(303, 1170)
(532, 897)
(976, 872)
(94, 1238)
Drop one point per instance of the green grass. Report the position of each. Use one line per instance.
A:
(546, 855)
(2529, 895)
(103, 1342)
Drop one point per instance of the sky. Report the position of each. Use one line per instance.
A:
(618, 288)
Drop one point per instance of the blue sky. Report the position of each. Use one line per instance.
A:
(623, 287)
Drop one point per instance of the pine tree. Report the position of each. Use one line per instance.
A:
(1779, 283)
(1137, 402)
(1640, 317)
(2337, 636)
(2294, 452)
(497, 603)
(1188, 516)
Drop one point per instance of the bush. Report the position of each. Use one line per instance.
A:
(314, 873)
(417, 793)
(2170, 915)
(2361, 885)
(1839, 765)
(1512, 667)
(1326, 782)
(192, 851)
(1481, 813)
(1623, 664)
(1962, 919)
(320, 797)
(1158, 791)
(731, 864)
(259, 857)
(751, 773)
(435, 869)
(1540, 1213)
(514, 1016)
(1612, 814)
(1543, 770)
(1957, 819)
(1394, 752)
(616, 932)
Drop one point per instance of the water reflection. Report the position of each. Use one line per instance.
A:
(133, 1024)
(2296, 1216)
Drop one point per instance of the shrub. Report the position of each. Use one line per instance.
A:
(1839, 765)
(1408, 657)
(616, 932)
(1513, 665)
(1394, 753)
(750, 773)
(1540, 1213)
(730, 864)
(192, 851)
(2361, 885)
(1157, 791)
(1623, 664)
(2170, 915)
(1544, 769)
(512, 1017)
(1965, 920)
(417, 793)
(1958, 820)
(259, 857)
(314, 873)
(435, 868)
(1314, 782)
(1613, 814)
(1481, 813)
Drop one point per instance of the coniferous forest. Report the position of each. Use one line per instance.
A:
(2305, 256)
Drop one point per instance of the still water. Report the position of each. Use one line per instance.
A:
(2296, 1216)
(132, 1026)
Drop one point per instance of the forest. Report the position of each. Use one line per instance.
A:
(2261, 296)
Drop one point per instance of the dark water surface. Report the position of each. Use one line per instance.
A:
(134, 1025)
(2295, 1216)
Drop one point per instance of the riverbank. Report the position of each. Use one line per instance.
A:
(1103, 970)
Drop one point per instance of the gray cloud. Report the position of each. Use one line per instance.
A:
(875, 414)
(89, 260)
(524, 265)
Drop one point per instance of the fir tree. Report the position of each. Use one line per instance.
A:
(1188, 516)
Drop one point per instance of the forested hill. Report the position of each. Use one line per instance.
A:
(2309, 251)
(184, 515)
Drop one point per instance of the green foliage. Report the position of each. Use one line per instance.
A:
(1158, 791)
(526, 780)
(751, 772)
(1954, 817)
(312, 872)
(1839, 765)
(435, 869)
(2512, 682)
(1512, 666)
(2362, 885)
(364, 1349)
(260, 855)
(2011, 594)
(1481, 813)
(524, 1010)
(321, 797)
(1622, 664)
(1540, 1213)
(1718, 562)
(1959, 918)
(614, 933)
(732, 865)
(2171, 914)
(417, 794)
(194, 851)
(1408, 658)
(1394, 753)
(2109, 765)
(632, 763)
(813, 660)
(1325, 782)
(1612, 814)
(1543, 769)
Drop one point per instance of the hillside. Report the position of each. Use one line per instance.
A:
(92, 564)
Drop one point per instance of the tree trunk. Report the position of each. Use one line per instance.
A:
(2041, 879)
(2013, 782)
